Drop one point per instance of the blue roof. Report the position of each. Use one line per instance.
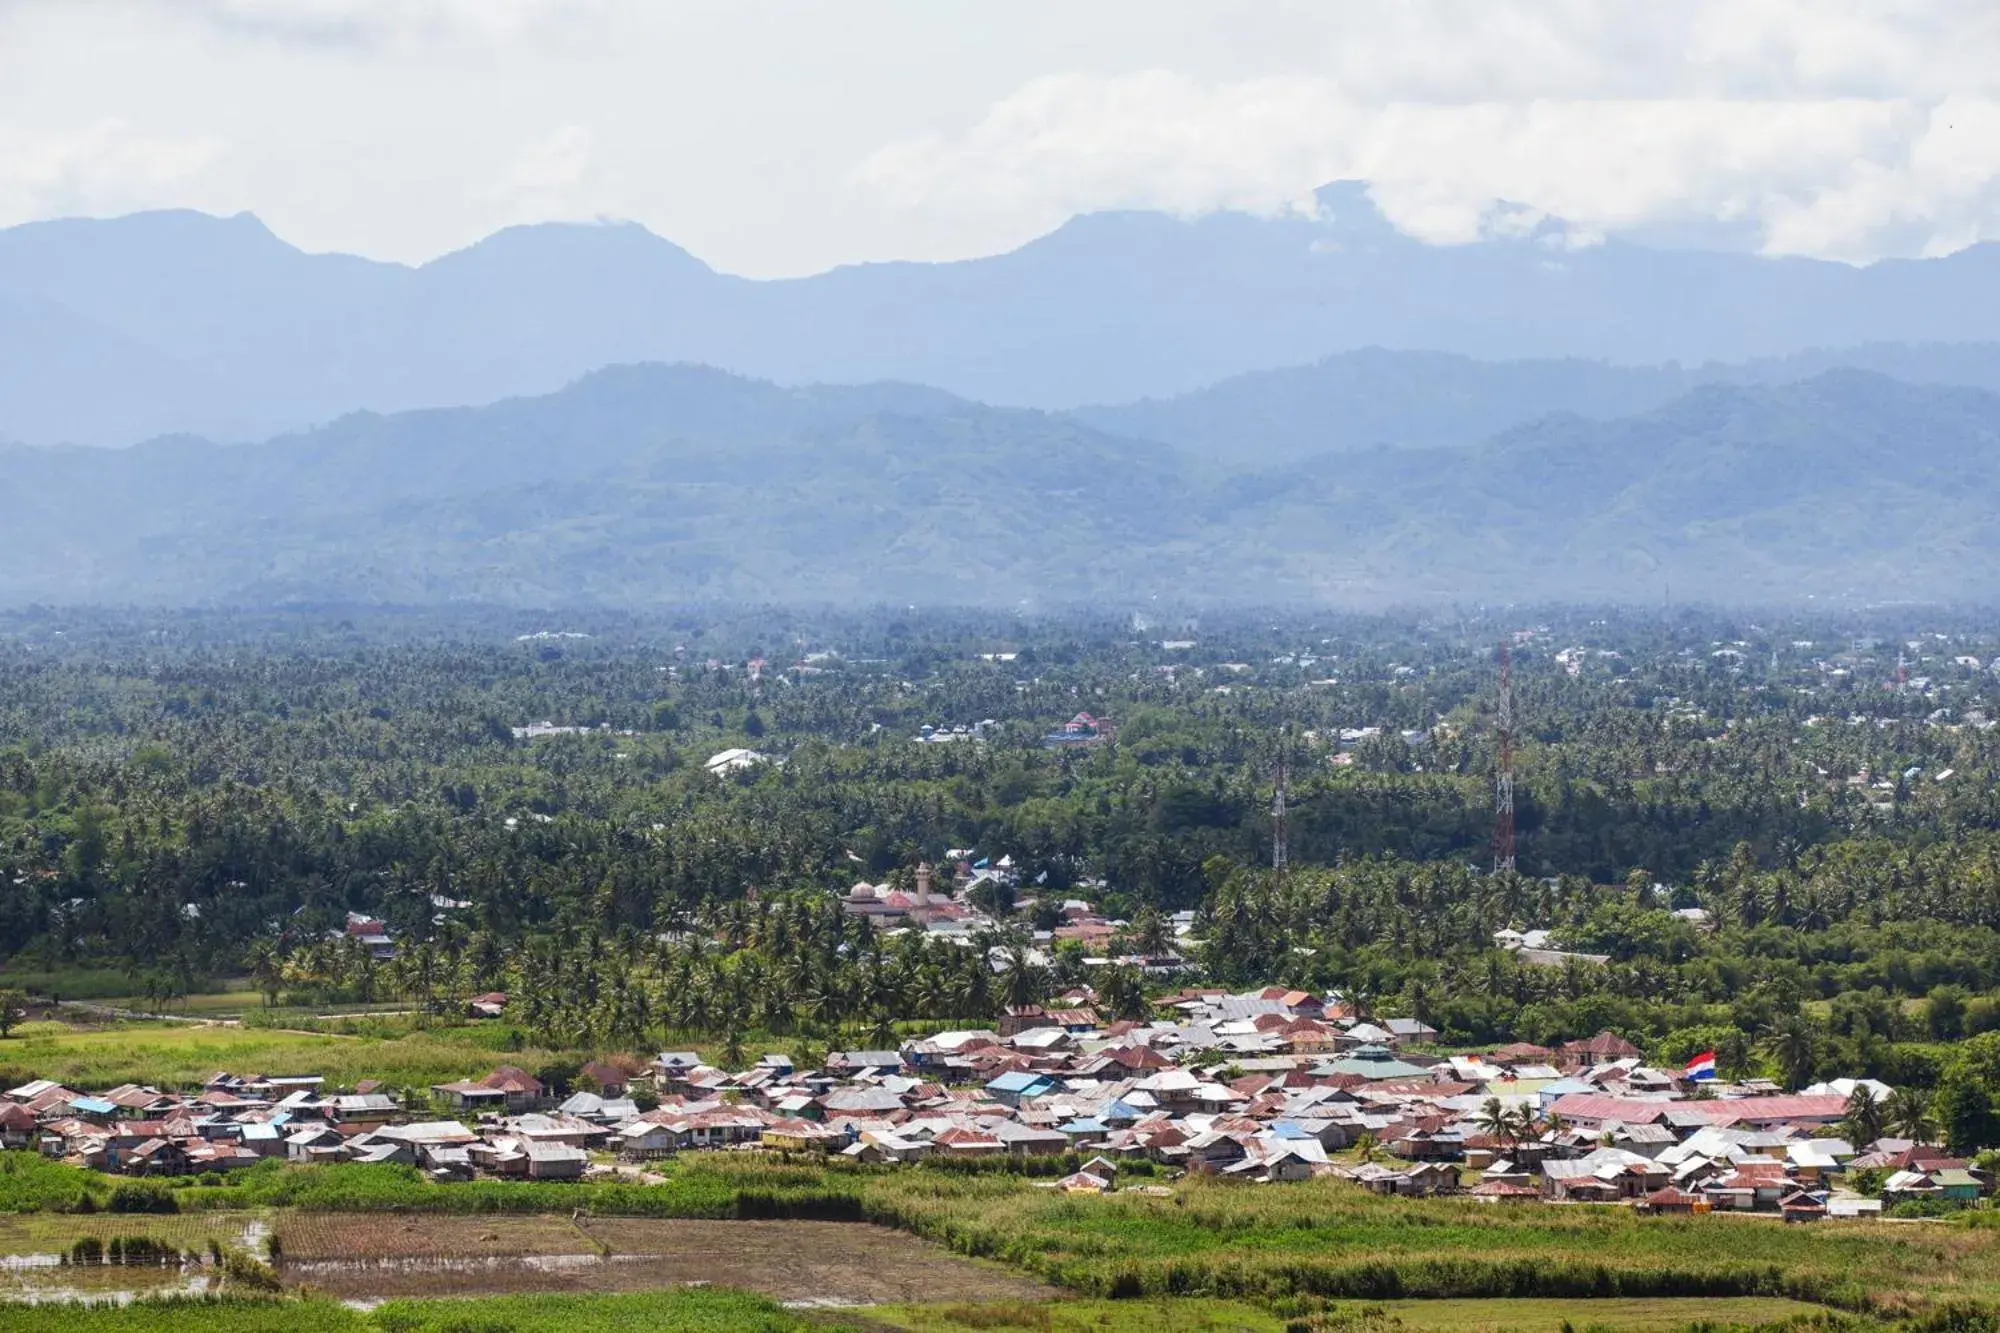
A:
(1021, 1080)
(93, 1105)
(1290, 1129)
(1084, 1126)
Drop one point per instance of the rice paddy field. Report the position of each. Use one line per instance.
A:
(936, 1250)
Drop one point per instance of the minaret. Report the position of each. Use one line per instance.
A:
(923, 884)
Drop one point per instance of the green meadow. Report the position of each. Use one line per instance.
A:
(177, 1055)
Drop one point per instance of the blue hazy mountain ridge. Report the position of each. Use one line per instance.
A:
(178, 322)
(657, 485)
(1374, 396)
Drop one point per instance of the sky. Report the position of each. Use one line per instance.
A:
(775, 139)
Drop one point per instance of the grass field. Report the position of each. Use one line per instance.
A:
(96, 984)
(699, 1311)
(1197, 1315)
(1189, 1315)
(345, 1043)
(1627, 1316)
(1328, 1239)
(175, 1055)
(1319, 1239)
(1205, 1256)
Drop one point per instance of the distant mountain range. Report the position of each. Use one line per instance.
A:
(652, 485)
(119, 330)
(1374, 397)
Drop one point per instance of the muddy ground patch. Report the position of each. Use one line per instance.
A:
(374, 1258)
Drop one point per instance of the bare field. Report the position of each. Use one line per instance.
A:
(347, 1237)
(375, 1258)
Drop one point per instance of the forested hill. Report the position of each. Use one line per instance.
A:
(653, 485)
(1375, 396)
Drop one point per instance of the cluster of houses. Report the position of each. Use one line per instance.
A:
(1272, 1085)
(944, 904)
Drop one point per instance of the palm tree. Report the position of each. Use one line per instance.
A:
(1522, 1125)
(1495, 1118)
(1792, 1040)
(1864, 1118)
(267, 970)
(1365, 1147)
(1023, 983)
(1909, 1115)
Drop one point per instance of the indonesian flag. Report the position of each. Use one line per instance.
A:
(1701, 1067)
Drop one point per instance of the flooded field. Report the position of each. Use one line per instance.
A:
(370, 1258)
(46, 1257)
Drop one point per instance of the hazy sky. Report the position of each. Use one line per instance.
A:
(779, 138)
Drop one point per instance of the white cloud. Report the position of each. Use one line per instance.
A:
(381, 24)
(107, 167)
(555, 176)
(786, 136)
(1846, 177)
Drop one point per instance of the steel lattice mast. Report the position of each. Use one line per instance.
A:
(1503, 784)
(1280, 821)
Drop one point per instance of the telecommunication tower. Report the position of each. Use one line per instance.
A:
(1503, 784)
(1280, 822)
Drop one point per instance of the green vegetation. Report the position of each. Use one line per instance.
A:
(1324, 1239)
(1196, 1315)
(180, 1055)
(651, 1312)
(605, 874)
(1191, 1315)
(187, 818)
(1329, 1239)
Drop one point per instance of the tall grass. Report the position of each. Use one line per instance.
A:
(186, 1314)
(1329, 1239)
(696, 1311)
(1324, 1238)
(739, 1188)
(30, 1183)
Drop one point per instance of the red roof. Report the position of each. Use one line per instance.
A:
(511, 1078)
(1765, 1110)
(1605, 1045)
(1595, 1106)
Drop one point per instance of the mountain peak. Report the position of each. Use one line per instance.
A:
(604, 244)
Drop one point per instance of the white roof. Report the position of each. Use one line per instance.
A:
(726, 761)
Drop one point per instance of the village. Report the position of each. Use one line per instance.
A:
(1265, 1086)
